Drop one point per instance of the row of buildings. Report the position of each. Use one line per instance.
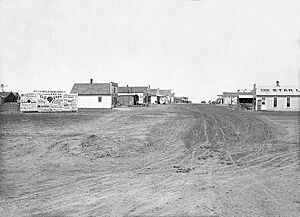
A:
(110, 95)
(88, 95)
(264, 98)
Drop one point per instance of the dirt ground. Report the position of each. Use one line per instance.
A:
(167, 160)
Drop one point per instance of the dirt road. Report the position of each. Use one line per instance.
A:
(174, 160)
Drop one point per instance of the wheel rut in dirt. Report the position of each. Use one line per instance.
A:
(168, 160)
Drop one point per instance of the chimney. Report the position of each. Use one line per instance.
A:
(91, 81)
(277, 83)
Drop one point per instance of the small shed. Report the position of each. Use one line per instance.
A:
(181, 99)
(9, 102)
(9, 97)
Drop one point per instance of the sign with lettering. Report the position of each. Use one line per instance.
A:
(292, 91)
(48, 101)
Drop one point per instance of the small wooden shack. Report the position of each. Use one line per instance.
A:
(9, 97)
(10, 102)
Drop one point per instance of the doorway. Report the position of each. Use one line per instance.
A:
(135, 99)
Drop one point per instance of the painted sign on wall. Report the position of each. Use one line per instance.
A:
(48, 101)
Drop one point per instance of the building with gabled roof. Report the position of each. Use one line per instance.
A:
(10, 102)
(96, 95)
(9, 97)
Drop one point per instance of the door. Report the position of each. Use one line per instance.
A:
(114, 102)
(263, 104)
(135, 99)
(259, 105)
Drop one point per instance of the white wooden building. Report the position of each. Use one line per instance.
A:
(96, 95)
(166, 96)
(159, 96)
(277, 97)
(236, 98)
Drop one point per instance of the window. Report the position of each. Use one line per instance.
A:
(275, 101)
(288, 102)
(99, 98)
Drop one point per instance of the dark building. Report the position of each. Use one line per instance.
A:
(9, 97)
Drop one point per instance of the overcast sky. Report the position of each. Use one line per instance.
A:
(196, 48)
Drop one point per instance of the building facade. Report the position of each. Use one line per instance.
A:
(128, 96)
(154, 96)
(181, 99)
(165, 96)
(159, 96)
(96, 95)
(236, 98)
(230, 98)
(277, 97)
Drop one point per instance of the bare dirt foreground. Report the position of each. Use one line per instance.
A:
(175, 160)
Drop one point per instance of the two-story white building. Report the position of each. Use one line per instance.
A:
(277, 97)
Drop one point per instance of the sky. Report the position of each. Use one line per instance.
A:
(196, 48)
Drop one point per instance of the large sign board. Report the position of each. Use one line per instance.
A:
(48, 101)
(278, 91)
